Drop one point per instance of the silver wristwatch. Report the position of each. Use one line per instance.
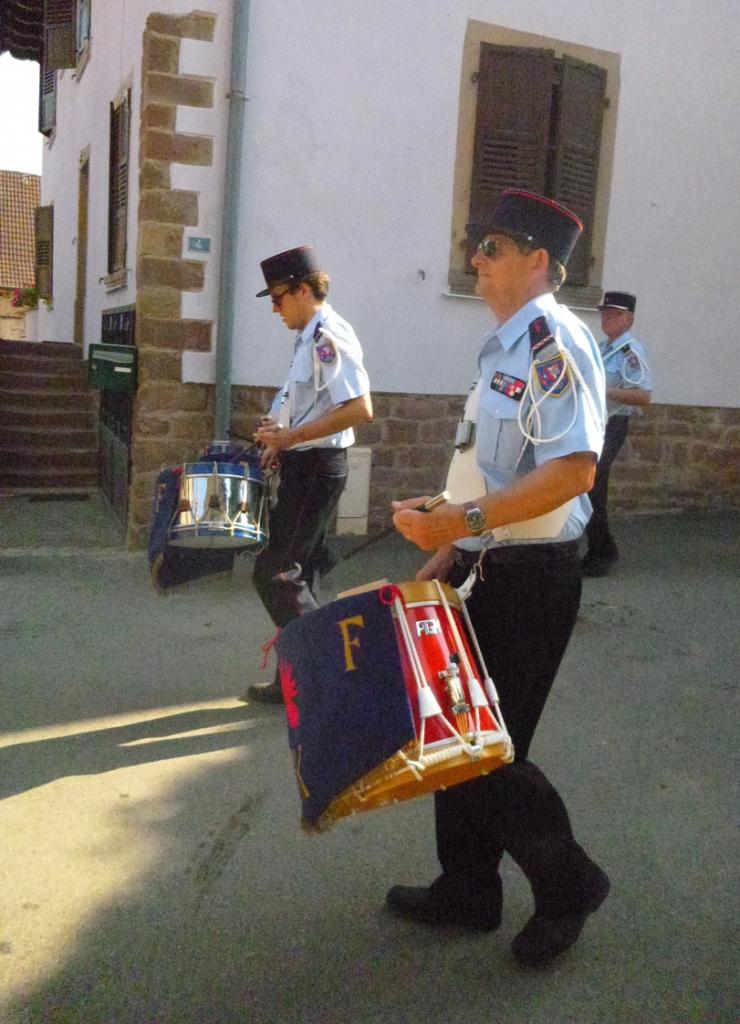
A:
(475, 518)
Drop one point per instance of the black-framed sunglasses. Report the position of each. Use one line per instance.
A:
(489, 246)
(277, 299)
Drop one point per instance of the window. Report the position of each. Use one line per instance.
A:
(538, 127)
(47, 100)
(44, 250)
(83, 25)
(118, 184)
(538, 117)
(60, 49)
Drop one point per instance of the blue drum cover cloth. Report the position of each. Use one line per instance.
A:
(345, 698)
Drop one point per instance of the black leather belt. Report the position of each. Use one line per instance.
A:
(526, 553)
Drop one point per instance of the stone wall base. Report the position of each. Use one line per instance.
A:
(675, 457)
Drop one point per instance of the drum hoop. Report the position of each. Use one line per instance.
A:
(424, 592)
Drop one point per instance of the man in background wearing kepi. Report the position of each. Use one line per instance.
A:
(629, 384)
(307, 433)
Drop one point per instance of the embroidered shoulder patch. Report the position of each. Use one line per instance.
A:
(512, 387)
(325, 348)
(326, 352)
(539, 334)
(552, 376)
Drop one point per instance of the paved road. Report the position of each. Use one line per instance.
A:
(155, 871)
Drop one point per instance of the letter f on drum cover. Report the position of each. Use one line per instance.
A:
(344, 626)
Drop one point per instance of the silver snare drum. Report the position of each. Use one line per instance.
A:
(221, 505)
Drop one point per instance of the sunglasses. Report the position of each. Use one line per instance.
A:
(489, 246)
(277, 299)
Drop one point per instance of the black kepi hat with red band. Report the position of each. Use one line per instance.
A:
(542, 222)
(289, 267)
(623, 301)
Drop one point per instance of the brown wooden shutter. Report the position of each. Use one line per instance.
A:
(118, 197)
(47, 100)
(576, 157)
(60, 34)
(515, 87)
(44, 250)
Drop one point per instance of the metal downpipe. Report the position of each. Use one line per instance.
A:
(231, 217)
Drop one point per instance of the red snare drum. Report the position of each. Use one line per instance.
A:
(460, 733)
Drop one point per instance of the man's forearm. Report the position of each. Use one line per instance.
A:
(629, 396)
(540, 491)
(341, 417)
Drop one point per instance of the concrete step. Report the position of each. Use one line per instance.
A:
(11, 362)
(72, 381)
(46, 477)
(20, 458)
(51, 492)
(49, 418)
(44, 349)
(42, 398)
(23, 436)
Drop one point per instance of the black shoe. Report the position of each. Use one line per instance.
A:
(480, 913)
(543, 938)
(597, 565)
(266, 693)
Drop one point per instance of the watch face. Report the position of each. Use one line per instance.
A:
(475, 520)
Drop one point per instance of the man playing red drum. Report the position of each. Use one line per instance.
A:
(526, 453)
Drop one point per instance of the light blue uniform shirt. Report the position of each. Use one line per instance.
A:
(503, 453)
(626, 366)
(327, 370)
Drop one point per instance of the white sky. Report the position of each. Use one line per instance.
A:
(20, 141)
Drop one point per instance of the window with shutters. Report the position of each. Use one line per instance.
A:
(83, 25)
(118, 185)
(47, 100)
(44, 251)
(60, 34)
(539, 117)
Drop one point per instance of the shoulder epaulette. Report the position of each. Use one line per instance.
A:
(539, 334)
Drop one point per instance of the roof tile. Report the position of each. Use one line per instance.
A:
(19, 197)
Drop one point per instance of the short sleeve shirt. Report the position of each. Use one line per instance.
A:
(573, 420)
(327, 370)
(626, 366)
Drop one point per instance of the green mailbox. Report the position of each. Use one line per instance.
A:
(112, 367)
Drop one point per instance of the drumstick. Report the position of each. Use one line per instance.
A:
(438, 499)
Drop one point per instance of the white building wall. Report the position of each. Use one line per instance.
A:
(83, 121)
(351, 133)
(351, 139)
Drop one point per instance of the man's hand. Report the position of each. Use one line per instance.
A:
(428, 530)
(269, 457)
(272, 434)
(439, 565)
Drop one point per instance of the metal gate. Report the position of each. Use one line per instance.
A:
(113, 371)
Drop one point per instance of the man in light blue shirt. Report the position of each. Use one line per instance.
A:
(629, 384)
(528, 450)
(306, 432)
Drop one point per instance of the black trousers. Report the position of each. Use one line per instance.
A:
(523, 613)
(311, 482)
(600, 541)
